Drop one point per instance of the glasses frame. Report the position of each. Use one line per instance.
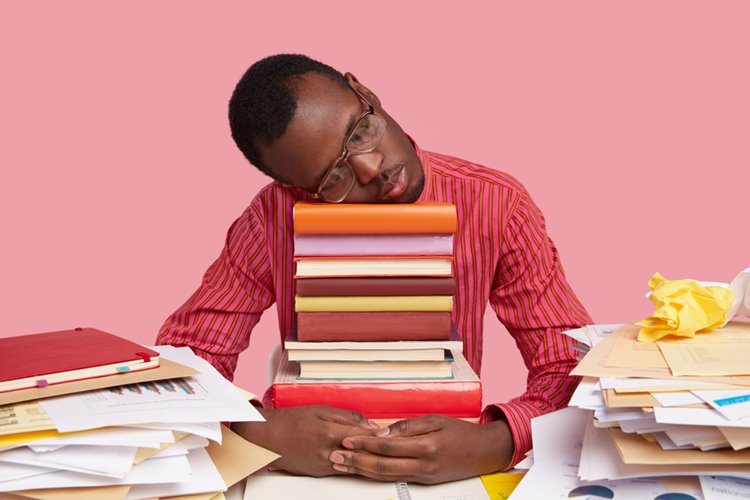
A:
(346, 153)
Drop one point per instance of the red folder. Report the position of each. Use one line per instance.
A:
(42, 359)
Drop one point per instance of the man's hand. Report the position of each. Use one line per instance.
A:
(305, 436)
(430, 449)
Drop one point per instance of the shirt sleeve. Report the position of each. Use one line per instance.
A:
(216, 321)
(536, 304)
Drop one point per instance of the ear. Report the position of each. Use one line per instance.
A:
(363, 90)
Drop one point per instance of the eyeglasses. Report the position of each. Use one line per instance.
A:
(363, 138)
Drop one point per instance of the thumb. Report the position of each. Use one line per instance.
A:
(346, 417)
(412, 426)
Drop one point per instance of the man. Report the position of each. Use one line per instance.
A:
(325, 136)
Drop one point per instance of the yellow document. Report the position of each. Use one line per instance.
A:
(502, 484)
(23, 417)
(628, 352)
(683, 308)
(636, 450)
(725, 353)
(94, 493)
(738, 437)
(631, 400)
(594, 364)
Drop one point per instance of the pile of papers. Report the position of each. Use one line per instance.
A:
(648, 419)
(159, 437)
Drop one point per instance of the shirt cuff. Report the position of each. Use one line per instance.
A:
(518, 416)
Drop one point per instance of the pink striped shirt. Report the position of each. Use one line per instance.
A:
(503, 257)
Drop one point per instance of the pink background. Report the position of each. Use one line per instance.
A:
(628, 122)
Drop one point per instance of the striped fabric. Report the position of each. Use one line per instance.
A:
(504, 258)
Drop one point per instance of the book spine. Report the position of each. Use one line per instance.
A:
(387, 400)
(372, 326)
(372, 244)
(406, 265)
(316, 287)
(382, 303)
(361, 218)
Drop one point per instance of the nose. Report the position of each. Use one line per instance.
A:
(366, 166)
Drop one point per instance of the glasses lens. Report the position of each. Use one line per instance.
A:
(337, 183)
(367, 135)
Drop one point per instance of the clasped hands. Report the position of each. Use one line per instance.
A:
(321, 441)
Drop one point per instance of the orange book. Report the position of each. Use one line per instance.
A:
(385, 218)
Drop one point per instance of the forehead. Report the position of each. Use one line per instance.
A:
(316, 134)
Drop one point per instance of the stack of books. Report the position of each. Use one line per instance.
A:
(647, 411)
(86, 414)
(374, 295)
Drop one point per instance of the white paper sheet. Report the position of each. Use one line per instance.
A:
(740, 285)
(205, 478)
(172, 469)
(620, 414)
(724, 488)
(700, 416)
(588, 395)
(12, 472)
(111, 436)
(638, 383)
(683, 398)
(600, 460)
(689, 434)
(182, 447)
(206, 397)
(112, 461)
(555, 471)
(277, 486)
(208, 430)
(734, 405)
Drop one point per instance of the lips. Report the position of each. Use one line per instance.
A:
(395, 186)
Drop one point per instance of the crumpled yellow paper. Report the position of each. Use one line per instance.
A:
(684, 308)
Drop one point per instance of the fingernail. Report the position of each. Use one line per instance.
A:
(383, 432)
(346, 443)
(337, 458)
(373, 425)
(340, 468)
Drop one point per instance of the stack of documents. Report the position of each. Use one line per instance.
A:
(650, 418)
(158, 435)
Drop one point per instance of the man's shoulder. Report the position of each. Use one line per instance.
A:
(442, 165)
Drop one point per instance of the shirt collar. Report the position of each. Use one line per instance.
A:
(426, 169)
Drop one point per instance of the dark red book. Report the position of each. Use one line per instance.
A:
(42, 359)
(460, 397)
(373, 326)
(332, 287)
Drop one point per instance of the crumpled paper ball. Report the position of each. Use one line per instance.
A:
(684, 308)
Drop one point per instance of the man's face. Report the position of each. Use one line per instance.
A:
(326, 112)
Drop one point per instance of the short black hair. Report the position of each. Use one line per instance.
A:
(264, 101)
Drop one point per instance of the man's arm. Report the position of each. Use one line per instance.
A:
(534, 301)
(216, 322)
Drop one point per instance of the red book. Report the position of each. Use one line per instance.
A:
(373, 326)
(327, 287)
(460, 397)
(43, 359)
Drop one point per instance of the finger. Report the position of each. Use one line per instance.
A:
(404, 447)
(413, 426)
(374, 466)
(346, 417)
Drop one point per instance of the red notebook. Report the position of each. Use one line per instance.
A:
(43, 359)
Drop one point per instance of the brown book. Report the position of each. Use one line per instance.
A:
(373, 326)
(324, 287)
